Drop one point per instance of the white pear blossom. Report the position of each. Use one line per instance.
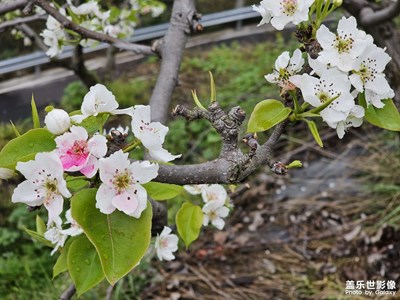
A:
(165, 244)
(27, 41)
(194, 189)
(55, 26)
(113, 30)
(368, 75)
(151, 134)
(44, 184)
(89, 8)
(51, 40)
(341, 49)
(54, 35)
(354, 119)
(6, 173)
(317, 66)
(214, 211)
(284, 12)
(93, 24)
(120, 129)
(99, 100)
(263, 11)
(57, 121)
(285, 67)
(121, 184)
(75, 229)
(332, 83)
(78, 153)
(55, 235)
(214, 192)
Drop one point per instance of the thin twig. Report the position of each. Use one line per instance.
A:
(69, 292)
(22, 20)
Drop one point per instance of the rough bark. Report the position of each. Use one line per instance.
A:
(171, 49)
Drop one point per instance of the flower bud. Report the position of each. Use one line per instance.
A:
(6, 173)
(279, 168)
(295, 164)
(337, 3)
(57, 121)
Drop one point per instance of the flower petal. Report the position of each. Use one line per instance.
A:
(104, 197)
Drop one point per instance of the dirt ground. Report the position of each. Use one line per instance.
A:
(297, 237)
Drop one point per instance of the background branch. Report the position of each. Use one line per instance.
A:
(69, 292)
(23, 20)
(29, 32)
(86, 33)
(11, 6)
(369, 17)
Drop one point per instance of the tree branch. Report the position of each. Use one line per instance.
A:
(183, 20)
(68, 293)
(232, 166)
(29, 32)
(86, 33)
(23, 20)
(369, 17)
(11, 6)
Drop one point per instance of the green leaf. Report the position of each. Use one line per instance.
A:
(61, 264)
(95, 123)
(25, 147)
(76, 185)
(314, 131)
(35, 115)
(189, 220)
(387, 117)
(267, 114)
(120, 240)
(162, 191)
(38, 237)
(196, 100)
(295, 164)
(213, 96)
(40, 226)
(16, 132)
(84, 265)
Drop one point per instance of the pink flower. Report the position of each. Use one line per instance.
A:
(77, 153)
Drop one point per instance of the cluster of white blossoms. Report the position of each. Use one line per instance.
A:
(54, 36)
(349, 63)
(57, 236)
(282, 12)
(78, 151)
(90, 15)
(215, 198)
